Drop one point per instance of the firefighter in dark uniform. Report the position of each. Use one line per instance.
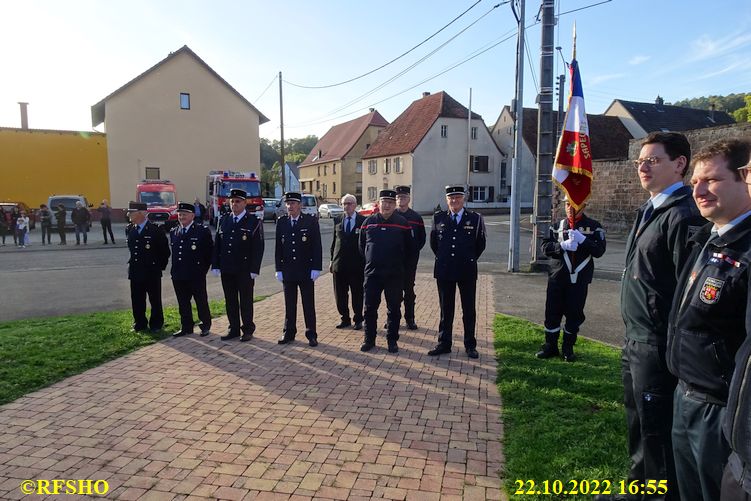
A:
(418, 233)
(192, 251)
(238, 252)
(571, 270)
(385, 239)
(298, 257)
(347, 264)
(710, 317)
(656, 251)
(149, 255)
(457, 240)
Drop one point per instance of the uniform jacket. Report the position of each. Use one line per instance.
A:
(737, 424)
(418, 233)
(149, 251)
(191, 253)
(345, 252)
(80, 215)
(655, 255)
(298, 251)
(564, 264)
(710, 319)
(238, 248)
(384, 243)
(457, 247)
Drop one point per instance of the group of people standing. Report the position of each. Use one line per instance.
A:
(369, 257)
(16, 223)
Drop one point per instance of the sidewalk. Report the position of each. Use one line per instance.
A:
(197, 418)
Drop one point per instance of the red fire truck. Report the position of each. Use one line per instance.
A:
(160, 199)
(219, 183)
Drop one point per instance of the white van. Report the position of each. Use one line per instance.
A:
(69, 202)
(309, 207)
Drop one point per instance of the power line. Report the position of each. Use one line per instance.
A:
(585, 7)
(529, 62)
(403, 72)
(388, 63)
(267, 87)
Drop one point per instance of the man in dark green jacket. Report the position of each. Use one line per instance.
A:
(656, 251)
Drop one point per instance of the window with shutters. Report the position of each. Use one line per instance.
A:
(387, 166)
(372, 167)
(479, 193)
(444, 131)
(473, 132)
(398, 165)
(479, 163)
(371, 193)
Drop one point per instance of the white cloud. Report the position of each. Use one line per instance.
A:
(638, 59)
(598, 79)
(705, 47)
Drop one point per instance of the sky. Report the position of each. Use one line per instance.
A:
(64, 57)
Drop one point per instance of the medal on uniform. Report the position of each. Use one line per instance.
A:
(148, 246)
(193, 247)
(304, 238)
(245, 237)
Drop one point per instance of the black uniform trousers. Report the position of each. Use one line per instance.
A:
(46, 233)
(61, 232)
(391, 287)
(565, 299)
(410, 272)
(648, 398)
(185, 290)
(447, 299)
(238, 297)
(344, 284)
(107, 226)
(700, 448)
(307, 293)
(139, 289)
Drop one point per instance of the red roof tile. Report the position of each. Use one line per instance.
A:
(340, 139)
(409, 129)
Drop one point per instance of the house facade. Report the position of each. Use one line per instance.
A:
(431, 145)
(178, 120)
(334, 166)
(291, 180)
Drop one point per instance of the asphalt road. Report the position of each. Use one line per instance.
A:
(43, 281)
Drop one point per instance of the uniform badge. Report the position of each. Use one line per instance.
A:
(245, 237)
(193, 247)
(148, 246)
(304, 238)
(710, 291)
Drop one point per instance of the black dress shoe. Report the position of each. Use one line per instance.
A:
(358, 326)
(285, 340)
(205, 332)
(472, 353)
(313, 342)
(343, 325)
(155, 330)
(181, 333)
(367, 346)
(411, 325)
(246, 337)
(229, 336)
(439, 350)
(393, 348)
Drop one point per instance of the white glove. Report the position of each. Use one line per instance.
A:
(577, 235)
(254, 275)
(216, 272)
(569, 245)
(279, 276)
(314, 274)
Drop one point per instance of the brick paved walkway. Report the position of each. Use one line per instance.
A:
(197, 418)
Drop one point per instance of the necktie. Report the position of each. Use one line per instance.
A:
(236, 218)
(455, 217)
(647, 213)
(293, 223)
(185, 230)
(347, 227)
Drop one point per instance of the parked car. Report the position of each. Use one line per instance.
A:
(8, 207)
(368, 209)
(309, 206)
(269, 208)
(69, 202)
(330, 210)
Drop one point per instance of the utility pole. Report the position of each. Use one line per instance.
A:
(545, 142)
(469, 137)
(518, 106)
(561, 97)
(281, 127)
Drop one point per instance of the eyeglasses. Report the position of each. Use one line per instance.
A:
(650, 161)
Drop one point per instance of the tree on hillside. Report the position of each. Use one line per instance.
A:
(743, 115)
(728, 103)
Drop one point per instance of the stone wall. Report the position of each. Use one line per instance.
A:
(617, 193)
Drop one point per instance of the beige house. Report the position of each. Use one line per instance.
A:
(178, 120)
(431, 145)
(334, 167)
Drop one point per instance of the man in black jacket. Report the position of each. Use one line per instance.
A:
(418, 233)
(708, 321)
(385, 238)
(299, 262)
(149, 255)
(571, 245)
(81, 217)
(192, 251)
(457, 240)
(347, 264)
(238, 252)
(656, 251)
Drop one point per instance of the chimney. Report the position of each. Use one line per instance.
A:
(24, 115)
(711, 111)
(372, 110)
(425, 94)
(659, 101)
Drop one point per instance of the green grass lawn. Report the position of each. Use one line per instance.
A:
(38, 352)
(562, 421)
